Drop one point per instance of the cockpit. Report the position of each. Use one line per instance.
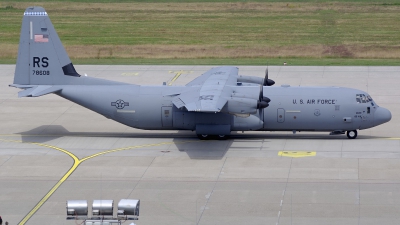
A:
(362, 98)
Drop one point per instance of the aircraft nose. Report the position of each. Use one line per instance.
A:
(382, 115)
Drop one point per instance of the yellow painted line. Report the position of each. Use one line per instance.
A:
(77, 162)
(296, 154)
(50, 193)
(133, 147)
(55, 187)
(177, 74)
(129, 74)
(175, 77)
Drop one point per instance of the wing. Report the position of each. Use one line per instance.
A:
(210, 91)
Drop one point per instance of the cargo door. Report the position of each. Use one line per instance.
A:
(166, 114)
(281, 115)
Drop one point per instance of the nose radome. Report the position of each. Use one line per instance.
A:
(382, 115)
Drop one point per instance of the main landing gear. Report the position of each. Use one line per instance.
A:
(208, 137)
(352, 134)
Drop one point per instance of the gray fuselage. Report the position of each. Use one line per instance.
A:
(291, 108)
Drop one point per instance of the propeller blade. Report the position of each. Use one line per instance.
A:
(262, 101)
(267, 82)
(266, 78)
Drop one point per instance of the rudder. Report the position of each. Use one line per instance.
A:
(42, 59)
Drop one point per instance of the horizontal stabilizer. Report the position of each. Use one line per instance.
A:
(36, 91)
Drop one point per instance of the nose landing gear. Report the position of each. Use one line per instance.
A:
(352, 134)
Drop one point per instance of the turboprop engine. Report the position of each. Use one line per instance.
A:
(257, 80)
(247, 100)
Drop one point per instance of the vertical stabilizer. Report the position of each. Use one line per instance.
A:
(42, 59)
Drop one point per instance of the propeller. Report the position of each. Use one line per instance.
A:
(267, 82)
(263, 102)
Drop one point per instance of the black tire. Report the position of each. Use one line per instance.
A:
(352, 134)
(203, 136)
(222, 137)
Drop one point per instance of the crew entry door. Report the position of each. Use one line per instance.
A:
(281, 115)
(166, 116)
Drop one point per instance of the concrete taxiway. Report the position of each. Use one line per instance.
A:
(52, 150)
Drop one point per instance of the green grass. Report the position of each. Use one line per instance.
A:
(219, 32)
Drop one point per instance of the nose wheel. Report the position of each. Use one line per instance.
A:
(352, 134)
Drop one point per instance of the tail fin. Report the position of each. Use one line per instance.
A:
(42, 59)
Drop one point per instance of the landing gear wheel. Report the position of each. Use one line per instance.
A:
(222, 137)
(352, 134)
(203, 136)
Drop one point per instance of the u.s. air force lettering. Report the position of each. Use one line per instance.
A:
(315, 101)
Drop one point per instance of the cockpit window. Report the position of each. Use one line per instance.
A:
(362, 98)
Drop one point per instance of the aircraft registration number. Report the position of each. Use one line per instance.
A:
(41, 72)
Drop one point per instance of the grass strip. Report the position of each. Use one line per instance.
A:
(221, 32)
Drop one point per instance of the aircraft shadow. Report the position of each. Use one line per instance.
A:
(185, 141)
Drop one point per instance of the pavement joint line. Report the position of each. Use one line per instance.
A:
(284, 192)
(212, 191)
(341, 150)
(77, 162)
(172, 211)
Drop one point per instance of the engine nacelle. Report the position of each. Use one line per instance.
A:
(241, 105)
(256, 80)
(251, 79)
(251, 122)
(252, 92)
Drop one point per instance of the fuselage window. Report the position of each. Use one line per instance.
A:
(358, 98)
(364, 99)
(361, 98)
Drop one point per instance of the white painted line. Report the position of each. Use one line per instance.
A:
(125, 111)
(31, 30)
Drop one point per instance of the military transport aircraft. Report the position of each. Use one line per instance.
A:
(214, 104)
